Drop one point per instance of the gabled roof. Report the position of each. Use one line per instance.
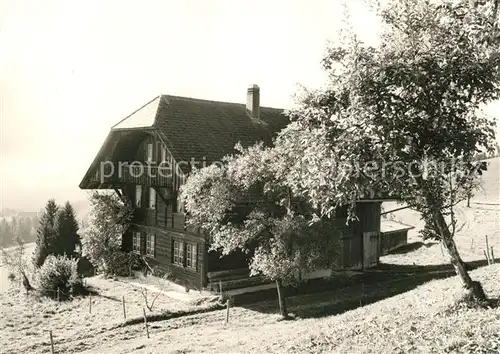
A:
(193, 128)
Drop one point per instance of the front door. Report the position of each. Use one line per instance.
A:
(371, 249)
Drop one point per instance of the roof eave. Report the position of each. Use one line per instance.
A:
(85, 180)
(397, 230)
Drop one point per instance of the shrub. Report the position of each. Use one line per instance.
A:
(59, 273)
(121, 263)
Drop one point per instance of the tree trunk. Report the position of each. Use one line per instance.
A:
(281, 300)
(457, 262)
(495, 12)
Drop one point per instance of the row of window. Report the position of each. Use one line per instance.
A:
(152, 192)
(149, 153)
(152, 199)
(150, 243)
(184, 254)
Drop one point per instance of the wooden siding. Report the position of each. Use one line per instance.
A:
(350, 256)
(369, 215)
(369, 223)
(352, 244)
(163, 259)
(162, 221)
(393, 240)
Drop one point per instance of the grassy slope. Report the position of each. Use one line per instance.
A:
(478, 221)
(408, 322)
(412, 322)
(490, 189)
(26, 320)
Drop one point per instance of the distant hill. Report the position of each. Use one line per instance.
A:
(490, 183)
(8, 213)
(11, 218)
(81, 207)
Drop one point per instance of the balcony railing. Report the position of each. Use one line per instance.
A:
(136, 173)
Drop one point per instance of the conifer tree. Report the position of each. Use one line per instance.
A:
(45, 233)
(66, 237)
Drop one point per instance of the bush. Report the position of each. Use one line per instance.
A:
(121, 263)
(59, 273)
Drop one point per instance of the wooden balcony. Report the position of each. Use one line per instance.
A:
(143, 173)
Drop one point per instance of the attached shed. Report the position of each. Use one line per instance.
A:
(393, 234)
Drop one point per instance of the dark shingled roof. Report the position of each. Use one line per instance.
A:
(204, 130)
(200, 129)
(193, 129)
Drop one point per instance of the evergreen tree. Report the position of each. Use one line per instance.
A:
(45, 233)
(5, 233)
(14, 226)
(66, 237)
(23, 230)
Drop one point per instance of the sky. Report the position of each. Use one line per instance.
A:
(69, 70)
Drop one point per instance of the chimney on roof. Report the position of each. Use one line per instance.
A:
(253, 101)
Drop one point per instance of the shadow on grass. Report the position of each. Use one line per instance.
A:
(108, 297)
(410, 247)
(167, 315)
(319, 298)
(89, 291)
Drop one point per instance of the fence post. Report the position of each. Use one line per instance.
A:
(124, 310)
(220, 287)
(145, 321)
(51, 342)
(228, 304)
(492, 255)
(58, 296)
(487, 249)
(487, 256)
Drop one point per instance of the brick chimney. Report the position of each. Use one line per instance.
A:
(253, 101)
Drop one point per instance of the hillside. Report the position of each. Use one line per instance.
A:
(416, 321)
(413, 322)
(401, 308)
(475, 223)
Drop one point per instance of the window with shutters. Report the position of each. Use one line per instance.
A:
(149, 156)
(152, 198)
(150, 245)
(178, 256)
(191, 255)
(138, 195)
(136, 242)
(163, 156)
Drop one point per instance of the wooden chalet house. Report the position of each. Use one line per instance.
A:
(147, 157)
